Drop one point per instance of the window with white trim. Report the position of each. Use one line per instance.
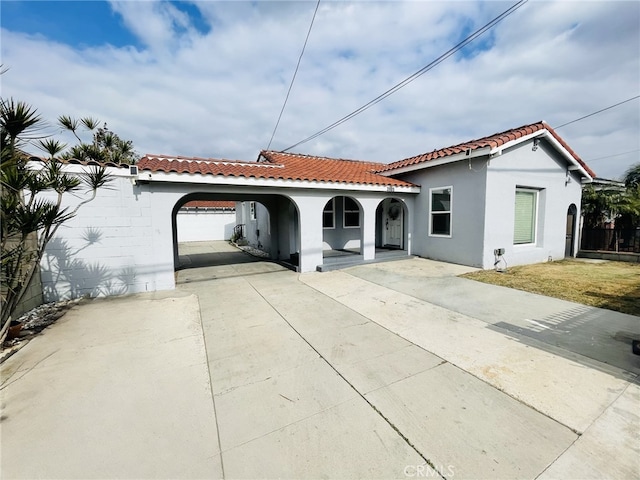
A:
(329, 214)
(351, 216)
(440, 211)
(252, 210)
(526, 211)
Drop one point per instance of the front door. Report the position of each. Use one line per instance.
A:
(392, 230)
(571, 226)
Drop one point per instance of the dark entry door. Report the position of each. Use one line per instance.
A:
(571, 228)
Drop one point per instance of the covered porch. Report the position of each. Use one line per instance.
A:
(338, 259)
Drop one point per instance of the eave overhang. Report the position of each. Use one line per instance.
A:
(177, 178)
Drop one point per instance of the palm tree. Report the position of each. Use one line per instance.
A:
(632, 176)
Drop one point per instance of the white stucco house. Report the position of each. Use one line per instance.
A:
(514, 196)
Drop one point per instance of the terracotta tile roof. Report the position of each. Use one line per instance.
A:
(276, 165)
(491, 141)
(570, 150)
(210, 204)
(323, 169)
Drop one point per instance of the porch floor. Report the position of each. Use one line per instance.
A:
(337, 259)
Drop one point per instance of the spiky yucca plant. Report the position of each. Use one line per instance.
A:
(28, 220)
(106, 146)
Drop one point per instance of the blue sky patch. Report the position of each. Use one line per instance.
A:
(198, 22)
(483, 43)
(83, 23)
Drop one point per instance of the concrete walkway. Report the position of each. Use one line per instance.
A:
(254, 371)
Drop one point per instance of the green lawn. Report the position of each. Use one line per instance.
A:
(612, 285)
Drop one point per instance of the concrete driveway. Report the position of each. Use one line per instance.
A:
(379, 371)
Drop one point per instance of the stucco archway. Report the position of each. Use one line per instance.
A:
(271, 227)
(391, 225)
(342, 232)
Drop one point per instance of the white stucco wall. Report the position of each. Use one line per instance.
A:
(125, 240)
(464, 246)
(542, 170)
(340, 237)
(203, 225)
(257, 229)
(483, 206)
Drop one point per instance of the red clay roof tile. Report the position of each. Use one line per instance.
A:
(277, 165)
(226, 204)
(492, 141)
(291, 166)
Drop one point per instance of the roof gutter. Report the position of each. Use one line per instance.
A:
(146, 176)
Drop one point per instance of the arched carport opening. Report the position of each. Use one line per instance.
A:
(266, 223)
(341, 228)
(391, 226)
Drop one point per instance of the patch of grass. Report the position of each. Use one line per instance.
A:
(611, 285)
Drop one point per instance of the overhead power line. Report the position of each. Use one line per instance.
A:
(595, 113)
(294, 74)
(614, 155)
(417, 74)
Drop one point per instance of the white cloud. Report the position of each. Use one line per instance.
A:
(159, 25)
(219, 94)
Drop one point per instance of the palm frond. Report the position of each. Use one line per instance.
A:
(68, 123)
(18, 119)
(52, 147)
(96, 177)
(90, 123)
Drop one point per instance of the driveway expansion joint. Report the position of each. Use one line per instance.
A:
(361, 395)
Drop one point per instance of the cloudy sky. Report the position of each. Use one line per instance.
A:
(209, 78)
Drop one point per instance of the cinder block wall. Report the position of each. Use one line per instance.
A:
(32, 298)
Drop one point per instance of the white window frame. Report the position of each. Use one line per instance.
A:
(450, 211)
(344, 212)
(252, 210)
(536, 205)
(333, 214)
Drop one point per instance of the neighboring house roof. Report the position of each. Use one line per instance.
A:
(491, 143)
(220, 204)
(607, 184)
(276, 165)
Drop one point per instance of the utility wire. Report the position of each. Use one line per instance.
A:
(595, 113)
(417, 74)
(614, 155)
(294, 74)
